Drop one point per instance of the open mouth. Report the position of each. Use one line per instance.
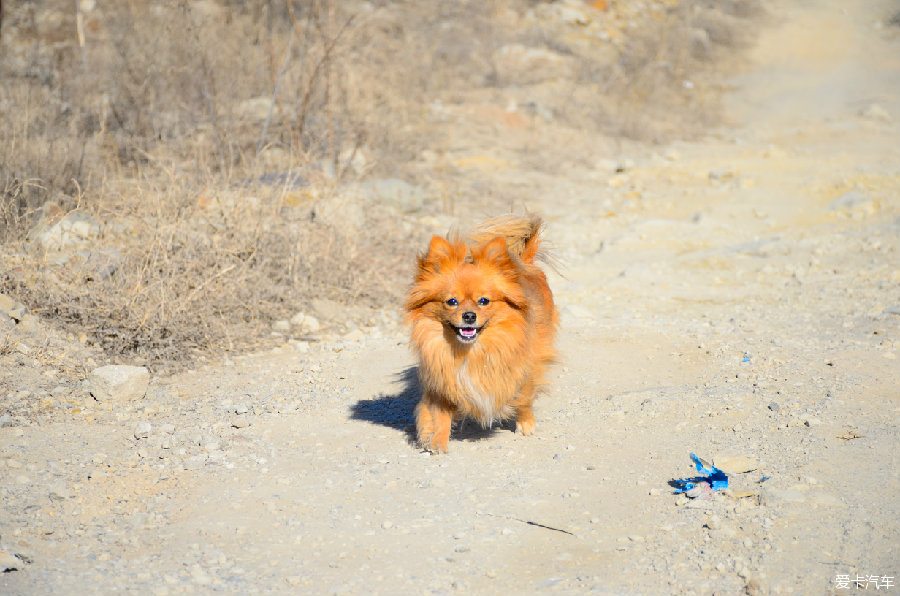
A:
(467, 334)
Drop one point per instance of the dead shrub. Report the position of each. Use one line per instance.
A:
(167, 121)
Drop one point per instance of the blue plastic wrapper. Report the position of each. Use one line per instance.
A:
(713, 476)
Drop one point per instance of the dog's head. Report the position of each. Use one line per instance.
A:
(469, 290)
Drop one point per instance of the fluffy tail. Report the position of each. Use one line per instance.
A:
(522, 233)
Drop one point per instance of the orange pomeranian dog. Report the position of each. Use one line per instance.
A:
(483, 324)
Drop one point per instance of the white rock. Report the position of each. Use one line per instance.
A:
(299, 346)
(877, 113)
(142, 430)
(119, 383)
(76, 228)
(735, 464)
(7, 304)
(305, 322)
(60, 492)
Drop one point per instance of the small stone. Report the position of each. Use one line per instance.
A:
(773, 406)
(714, 522)
(7, 304)
(9, 562)
(387, 524)
(142, 430)
(306, 323)
(635, 538)
(754, 587)
(693, 493)
(240, 422)
(735, 464)
(299, 346)
(877, 113)
(60, 492)
(199, 575)
(195, 462)
(119, 383)
(241, 409)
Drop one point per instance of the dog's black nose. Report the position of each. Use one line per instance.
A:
(469, 318)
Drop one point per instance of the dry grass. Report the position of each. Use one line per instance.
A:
(161, 121)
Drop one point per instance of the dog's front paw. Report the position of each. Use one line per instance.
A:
(432, 428)
(434, 445)
(525, 421)
(524, 428)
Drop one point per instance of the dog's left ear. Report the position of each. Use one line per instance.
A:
(495, 251)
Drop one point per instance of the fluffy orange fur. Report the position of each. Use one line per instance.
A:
(482, 325)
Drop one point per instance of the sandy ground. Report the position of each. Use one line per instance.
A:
(736, 297)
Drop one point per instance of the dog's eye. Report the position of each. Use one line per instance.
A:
(483, 301)
(452, 302)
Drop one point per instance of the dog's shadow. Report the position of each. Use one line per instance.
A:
(397, 410)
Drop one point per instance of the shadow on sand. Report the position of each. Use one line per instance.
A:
(396, 410)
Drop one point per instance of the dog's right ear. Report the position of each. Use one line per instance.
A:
(439, 249)
(439, 256)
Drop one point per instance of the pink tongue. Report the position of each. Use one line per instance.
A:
(467, 332)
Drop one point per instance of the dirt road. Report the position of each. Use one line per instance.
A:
(735, 297)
